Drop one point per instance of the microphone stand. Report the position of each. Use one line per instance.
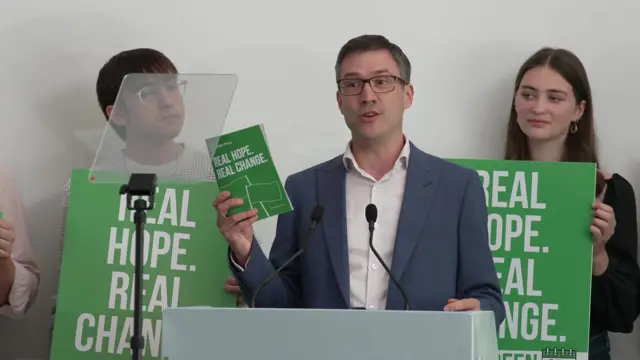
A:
(386, 268)
(316, 217)
(312, 229)
(139, 185)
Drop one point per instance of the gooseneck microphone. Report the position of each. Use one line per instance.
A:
(371, 214)
(316, 217)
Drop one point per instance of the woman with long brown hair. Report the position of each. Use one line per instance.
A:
(552, 120)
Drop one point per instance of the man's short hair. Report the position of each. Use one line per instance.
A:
(365, 43)
(113, 72)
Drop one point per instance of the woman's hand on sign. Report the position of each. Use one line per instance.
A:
(6, 240)
(238, 228)
(603, 226)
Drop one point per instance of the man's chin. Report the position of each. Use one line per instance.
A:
(369, 136)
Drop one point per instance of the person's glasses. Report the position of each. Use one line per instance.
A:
(379, 84)
(151, 95)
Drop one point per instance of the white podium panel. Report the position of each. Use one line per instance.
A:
(307, 334)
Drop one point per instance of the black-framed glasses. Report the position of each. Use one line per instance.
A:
(150, 95)
(379, 84)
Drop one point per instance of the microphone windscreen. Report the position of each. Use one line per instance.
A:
(316, 214)
(371, 213)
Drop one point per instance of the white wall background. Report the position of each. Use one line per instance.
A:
(465, 55)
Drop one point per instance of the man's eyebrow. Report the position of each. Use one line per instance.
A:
(351, 75)
(382, 71)
(358, 75)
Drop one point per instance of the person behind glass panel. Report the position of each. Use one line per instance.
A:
(148, 119)
(19, 272)
(552, 120)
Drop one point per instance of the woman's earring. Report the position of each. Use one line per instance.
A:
(573, 128)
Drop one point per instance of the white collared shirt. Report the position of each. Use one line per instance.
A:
(368, 279)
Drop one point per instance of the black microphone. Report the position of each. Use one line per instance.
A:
(371, 213)
(316, 217)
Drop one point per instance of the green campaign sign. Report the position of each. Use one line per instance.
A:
(184, 265)
(539, 219)
(243, 166)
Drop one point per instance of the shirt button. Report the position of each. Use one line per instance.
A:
(374, 266)
(371, 306)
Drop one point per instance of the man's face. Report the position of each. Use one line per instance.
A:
(373, 109)
(154, 108)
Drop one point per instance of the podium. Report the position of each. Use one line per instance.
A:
(203, 333)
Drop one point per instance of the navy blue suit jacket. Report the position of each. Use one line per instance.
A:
(441, 251)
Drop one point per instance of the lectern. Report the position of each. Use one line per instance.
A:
(306, 334)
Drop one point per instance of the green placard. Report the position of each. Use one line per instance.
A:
(539, 219)
(185, 265)
(243, 165)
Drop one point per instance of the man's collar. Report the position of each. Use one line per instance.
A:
(348, 159)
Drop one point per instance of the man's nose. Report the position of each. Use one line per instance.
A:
(367, 94)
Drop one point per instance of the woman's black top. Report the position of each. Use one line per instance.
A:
(615, 295)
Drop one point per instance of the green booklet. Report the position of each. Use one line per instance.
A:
(539, 214)
(243, 165)
(185, 264)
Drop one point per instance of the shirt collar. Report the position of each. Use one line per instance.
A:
(349, 160)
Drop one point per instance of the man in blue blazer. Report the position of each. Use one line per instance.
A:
(431, 228)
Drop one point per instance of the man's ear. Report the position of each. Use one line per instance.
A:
(339, 101)
(113, 118)
(408, 96)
